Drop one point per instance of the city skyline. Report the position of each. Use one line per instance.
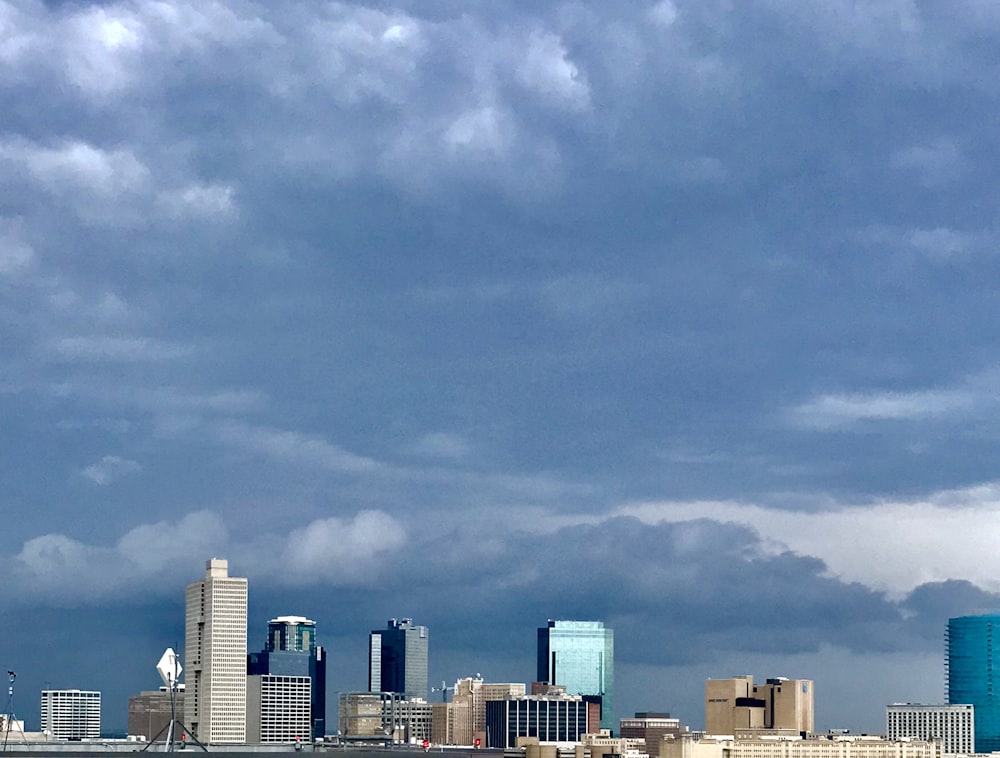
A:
(678, 314)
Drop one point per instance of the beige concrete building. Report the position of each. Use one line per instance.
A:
(464, 718)
(840, 746)
(384, 717)
(738, 707)
(215, 656)
(149, 712)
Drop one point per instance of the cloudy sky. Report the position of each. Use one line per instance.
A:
(681, 315)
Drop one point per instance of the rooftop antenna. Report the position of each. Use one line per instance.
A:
(443, 689)
(169, 668)
(8, 720)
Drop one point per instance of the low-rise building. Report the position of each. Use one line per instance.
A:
(149, 712)
(832, 746)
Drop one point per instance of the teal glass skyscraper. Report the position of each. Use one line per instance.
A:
(973, 673)
(580, 656)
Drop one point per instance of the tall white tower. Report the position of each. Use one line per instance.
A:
(215, 656)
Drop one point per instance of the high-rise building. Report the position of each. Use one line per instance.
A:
(278, 708)
(71, 714)
(954, 725)
(580, 656)
(291, 651)
(149, 712)
(737, 706)
(972, 673)
(397, 659)
(215, 656)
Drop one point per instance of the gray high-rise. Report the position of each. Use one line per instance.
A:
(397, 659)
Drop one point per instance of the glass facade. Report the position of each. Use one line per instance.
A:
(972, 659)
(397, 659)
(580, 656)
(548, 719)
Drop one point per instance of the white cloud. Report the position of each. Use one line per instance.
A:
(833, 411)
(341, 550)
(892, 545)
(110, 469)
(293, 447)
(664, 13)
(545, 68)
(214, 201)
(159, 558)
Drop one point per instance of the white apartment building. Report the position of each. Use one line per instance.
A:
(954, 725)
(215, 656)
(279, 708)
(71, 714)
(840, 746)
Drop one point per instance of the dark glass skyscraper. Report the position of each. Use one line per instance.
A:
(291, 650)
(580, 656)
(973, 673)
(397, 659)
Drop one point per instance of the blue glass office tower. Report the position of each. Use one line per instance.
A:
(973, 673)
(291, 650)
(580, 656)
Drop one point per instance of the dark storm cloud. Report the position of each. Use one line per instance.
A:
(280, 280)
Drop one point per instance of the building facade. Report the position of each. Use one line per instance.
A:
(841, 746)
(580, 656)
(972, 673)
(215, 656)
(463, 720)
(954, 725)
(149, 712)
(397, 659)
(650, 728)
(291, 651)
(547, 718)
(738, 707)
(279, 708)
(384, 717)
(71, 714)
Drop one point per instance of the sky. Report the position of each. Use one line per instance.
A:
(678, 315)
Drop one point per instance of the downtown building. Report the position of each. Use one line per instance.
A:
(149, 712)
(972, 673)
(556, 717)
(290, 660)
(463, 720)
(778, 746)
(384, 717)
(651, 728)
(71, 714)
(397, 659)
(580, 656)
(953, 725)
(215, 656)
(739, 707)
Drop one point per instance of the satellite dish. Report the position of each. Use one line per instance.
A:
(169, 668)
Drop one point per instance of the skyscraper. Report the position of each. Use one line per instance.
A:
(291, 651)
(397, 659)
(972, 673)
(580, 656)
(215, 655)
